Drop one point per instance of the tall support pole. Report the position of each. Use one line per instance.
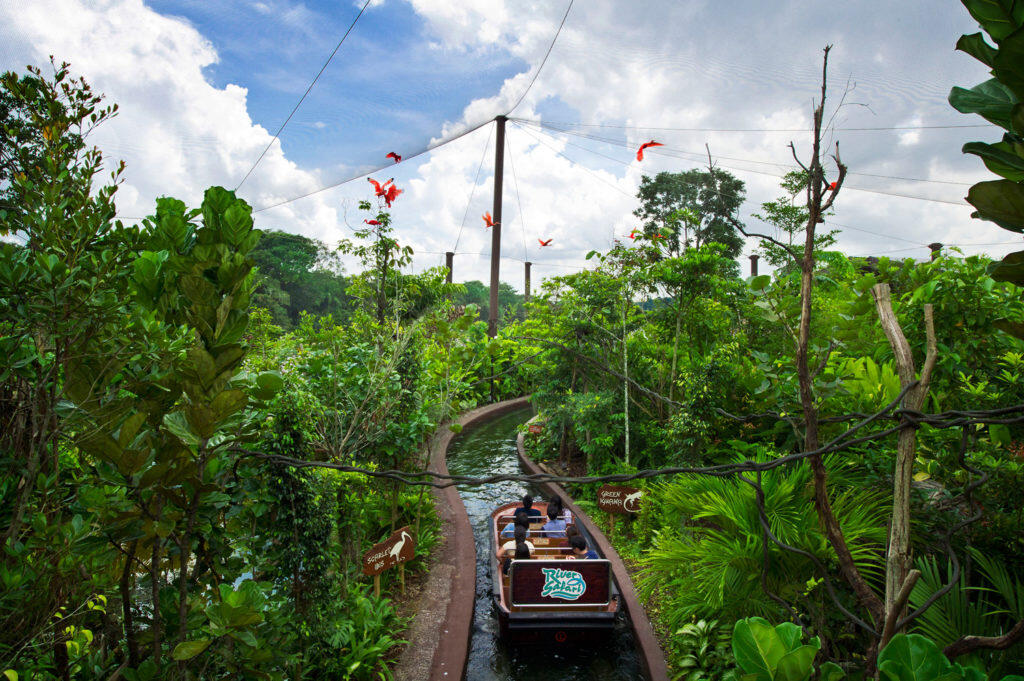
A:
(499, 171)
(449, 257)
(526, 289)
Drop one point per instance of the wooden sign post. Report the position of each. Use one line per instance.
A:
(618, 500)
(394, 550)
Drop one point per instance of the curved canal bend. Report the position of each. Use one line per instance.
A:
(485, 450)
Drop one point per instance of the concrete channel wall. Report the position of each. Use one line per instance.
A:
(439, 636)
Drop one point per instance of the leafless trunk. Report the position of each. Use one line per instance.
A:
(898, 561)
(817, 205)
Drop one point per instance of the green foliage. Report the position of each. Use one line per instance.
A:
(998, 101)
(767, 653)
(691, 208)
(707, 557)
(912, 657)
(702, 651)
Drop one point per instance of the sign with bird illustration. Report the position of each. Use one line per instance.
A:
(397, 548)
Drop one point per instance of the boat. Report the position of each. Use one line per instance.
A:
(550, 598)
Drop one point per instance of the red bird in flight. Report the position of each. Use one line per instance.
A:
(391, 154)
(378, 187)
(371, 222)
(632, 235)
(392, 194)
(545, 243)
(488, 220)
(640, 151)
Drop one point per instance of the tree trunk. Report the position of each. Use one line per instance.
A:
(898, 560)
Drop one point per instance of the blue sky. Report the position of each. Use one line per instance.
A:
(203, 85)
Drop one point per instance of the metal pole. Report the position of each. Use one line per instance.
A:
(526, 290)
(499, 167)
(449, 256)
(753, 265)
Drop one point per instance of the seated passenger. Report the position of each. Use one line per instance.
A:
(562, 511)
(528, 506)
(555, 526)
(571, 531)
(521, 519)
(520, 537)
(522, 550)
(580, 550)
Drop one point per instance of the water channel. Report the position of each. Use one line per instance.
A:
(486, 450)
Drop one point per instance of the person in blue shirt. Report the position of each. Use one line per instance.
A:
(521, 520)
(580, 550)
(528, 507)
(555, 526)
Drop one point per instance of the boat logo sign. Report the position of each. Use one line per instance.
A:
(565, 584)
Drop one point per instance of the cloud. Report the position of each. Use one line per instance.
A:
(633, 74)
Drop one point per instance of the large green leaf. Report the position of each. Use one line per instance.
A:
(1008, 65)
(830, 671)
(186, 650)
(1000, 158)
(757, 647)
(999, 18)
(912, 657)
(798, 664)
(1001, 201)
(991, 100)
(976, 46)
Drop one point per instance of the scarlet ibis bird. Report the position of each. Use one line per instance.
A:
(381, 189)
(545, 243)
(632, 235)
(392, 194)
(391, 154)
(832, 186)
(658, 236)
(640, 151)
(488, 220)
(371, 222)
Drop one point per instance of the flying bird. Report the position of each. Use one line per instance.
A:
(545, 243)
(378, 187)
(632, 235)
(371, 222)
(488, 220)
(640, 151)
(392, 194)
(391, 154)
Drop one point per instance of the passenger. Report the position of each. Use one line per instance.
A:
(522, 552)
(555, 526)
(518, 549)
(571, 531)
(580, 550)
(520, 520)
(528, 506)
(520, 536)
(557, 502)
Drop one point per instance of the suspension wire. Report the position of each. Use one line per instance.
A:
(716, 192)
(667, 151)
(542, 61)
(598, 177)
(304, 94)
(640, 127)
(703, 155)
(352, 179)
(472, 190)
(519, 201)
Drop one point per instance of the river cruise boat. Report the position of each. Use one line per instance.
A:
(553, 597)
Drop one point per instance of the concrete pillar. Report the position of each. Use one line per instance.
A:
(753, 264)
(449, 257)
(526, 290)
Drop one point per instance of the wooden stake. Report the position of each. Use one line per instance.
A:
(401, 576)
(376, 586)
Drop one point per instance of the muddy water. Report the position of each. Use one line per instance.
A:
(490, 449)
